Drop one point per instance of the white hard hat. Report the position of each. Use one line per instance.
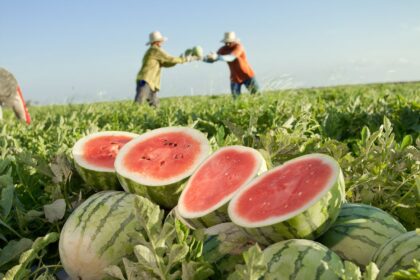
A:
(156, 36)
(230, 37)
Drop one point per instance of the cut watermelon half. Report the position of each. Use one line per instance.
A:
(204, 200)
(94, 157)
(157, 163)
(299, 199)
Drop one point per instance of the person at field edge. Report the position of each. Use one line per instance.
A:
(241, 72)
(148, 78)
(11, 96)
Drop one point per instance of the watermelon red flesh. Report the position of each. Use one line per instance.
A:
(163, 156)
(218, 178)
(284, 191)
(102, 150)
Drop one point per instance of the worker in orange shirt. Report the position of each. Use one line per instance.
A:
(241, 72)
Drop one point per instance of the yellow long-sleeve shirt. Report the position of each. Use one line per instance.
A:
(153, 60)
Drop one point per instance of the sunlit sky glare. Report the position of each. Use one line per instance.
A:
(83, 51)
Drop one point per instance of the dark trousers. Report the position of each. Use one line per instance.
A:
(145, 93)
(251, 84)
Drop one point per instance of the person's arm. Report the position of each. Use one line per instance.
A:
(229, 57)
(167, 60)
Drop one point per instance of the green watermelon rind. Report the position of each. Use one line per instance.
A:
(301, 259)
(220, 214)
(166, 195)
(310, 223)
(98, 180)
(97, 232)
(398, 253)
(359, 231)
(101, 178)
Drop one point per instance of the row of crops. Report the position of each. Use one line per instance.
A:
(371, 131)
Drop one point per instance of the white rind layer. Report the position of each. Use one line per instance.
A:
(205, 150)
(260, 167)
(278, 219)
(78, 154)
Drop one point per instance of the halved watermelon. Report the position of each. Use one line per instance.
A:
(94, 157)
(299, 199)
(203, 202)
(157, 163)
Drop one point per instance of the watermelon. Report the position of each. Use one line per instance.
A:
(157, 164)
(203, 202)
(299, 199)
(94, 157)
(398, 253)
(359, 231)
(223, 240)
(301, 259)
(194, 51)
(96, 234)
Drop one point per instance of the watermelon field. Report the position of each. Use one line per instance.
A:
(364, 223)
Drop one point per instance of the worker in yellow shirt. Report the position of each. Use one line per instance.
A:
(148, 78)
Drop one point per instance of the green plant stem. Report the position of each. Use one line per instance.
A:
(9, 228)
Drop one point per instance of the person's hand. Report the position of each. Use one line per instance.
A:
(211, 57)
(191, 58)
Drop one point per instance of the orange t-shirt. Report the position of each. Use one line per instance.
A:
(240, 70)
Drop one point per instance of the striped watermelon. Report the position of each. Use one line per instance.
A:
(299, 199)
(94, 157)
(96, 234)
(301, 259)
(398, 253)
(223, 240)
(359, 231)
(157, 163)
(204, 201)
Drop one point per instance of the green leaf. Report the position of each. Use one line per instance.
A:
(146, 258)
(61, 169)
(365, 134)
(407, 141)
(13, 249)
(21, 270)
(6, 201)
(135, 272)
(254, 267)
(177, 254)
(351, 271)
(114, 271)
(371, 272)
(196, 271)
(55, 211)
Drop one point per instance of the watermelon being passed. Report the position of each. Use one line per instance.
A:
(297, 259)
(203, 202)
(359, 231)
(157, 163)
(94, 157)
(299, 199)
(96, 234)
(398, 253)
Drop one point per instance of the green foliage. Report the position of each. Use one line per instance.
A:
(165, 249)
(254, 267)
(371, 130)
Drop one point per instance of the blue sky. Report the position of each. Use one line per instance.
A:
(80, 51)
